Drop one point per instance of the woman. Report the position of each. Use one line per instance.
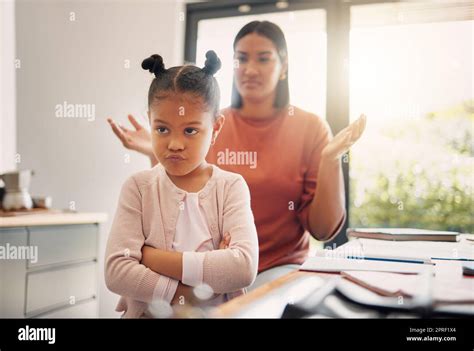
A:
(286, 155)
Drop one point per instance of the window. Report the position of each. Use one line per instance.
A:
(413, 77)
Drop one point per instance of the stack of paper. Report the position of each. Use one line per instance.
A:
(403, 234)
(324, 264)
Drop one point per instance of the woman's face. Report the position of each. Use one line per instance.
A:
(258, 68)
(182, 130)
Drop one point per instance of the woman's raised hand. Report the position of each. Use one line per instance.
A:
(137, 140)
(342, 142)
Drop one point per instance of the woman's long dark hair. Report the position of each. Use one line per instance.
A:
(275, 34)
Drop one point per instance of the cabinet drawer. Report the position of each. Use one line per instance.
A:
(57, 287)
(60, 244)
(81, 310)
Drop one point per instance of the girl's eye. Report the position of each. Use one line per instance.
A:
(242, 59)
(264, 59)
(190, 131)
(162, 130)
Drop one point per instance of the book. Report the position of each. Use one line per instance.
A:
(337, 265)
(427, 251)
(403, 234)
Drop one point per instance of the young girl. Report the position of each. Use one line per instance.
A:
(181, 208)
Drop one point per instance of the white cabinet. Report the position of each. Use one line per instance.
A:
(60, 282)
(59, 287)
(70, 243)
(83, 309)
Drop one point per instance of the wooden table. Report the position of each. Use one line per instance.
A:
(234, 307)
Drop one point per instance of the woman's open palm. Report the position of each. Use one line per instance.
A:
(138, 139)
(342, 142)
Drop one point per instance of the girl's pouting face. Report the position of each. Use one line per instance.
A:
(182, 131)
(259, 67)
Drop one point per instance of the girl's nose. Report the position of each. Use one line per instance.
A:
(175, 144)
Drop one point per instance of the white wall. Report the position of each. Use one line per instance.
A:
(7, 86)
(82, 62)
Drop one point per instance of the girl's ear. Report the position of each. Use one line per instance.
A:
(216, 128)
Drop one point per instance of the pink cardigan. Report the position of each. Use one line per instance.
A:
(147, 212)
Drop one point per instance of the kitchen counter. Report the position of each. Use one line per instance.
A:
(61, 218)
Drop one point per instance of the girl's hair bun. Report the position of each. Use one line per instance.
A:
(154, 64)
(212, 64)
